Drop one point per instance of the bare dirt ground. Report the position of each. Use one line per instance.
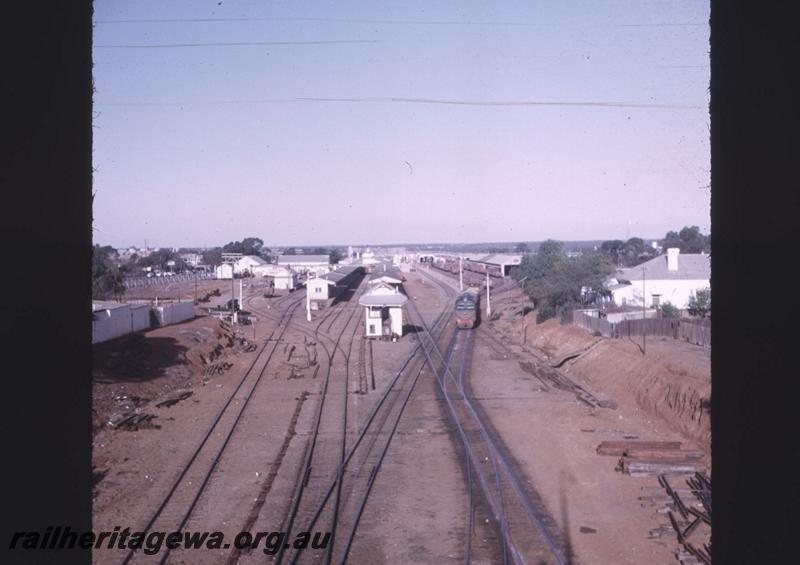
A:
(417, 510)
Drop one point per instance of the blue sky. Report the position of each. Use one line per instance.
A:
(369, 122)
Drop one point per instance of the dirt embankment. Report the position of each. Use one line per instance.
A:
(670, 380)
(134, 369)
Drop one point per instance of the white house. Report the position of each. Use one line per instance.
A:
(319, 291)
(672, 277)
(224, 271)
(284, 278)
(383, 311)
(246, 264)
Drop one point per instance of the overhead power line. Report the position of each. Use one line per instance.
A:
(237, 44)
(507, 103)
(392, 22)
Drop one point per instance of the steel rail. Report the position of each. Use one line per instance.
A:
(305, 473)
(369, 421)
(286, 316)
(467, 446)
(512, 479)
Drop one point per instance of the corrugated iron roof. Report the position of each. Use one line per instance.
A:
(691, 266)
(382, 300)
(296, 259)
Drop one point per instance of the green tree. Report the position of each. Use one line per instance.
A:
(556, 282)
(700, 303)
(688, 240)
(107, 280)
(212, 256)
(248, 246)
(635, 252)
(614, 250)
(669, 310)
(522, 248)
(335, 255)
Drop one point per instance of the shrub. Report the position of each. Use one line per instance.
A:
(545, 312)
(668, 310)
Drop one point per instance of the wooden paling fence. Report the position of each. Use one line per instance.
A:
(697, 332)
(667, 327)
(594, 325)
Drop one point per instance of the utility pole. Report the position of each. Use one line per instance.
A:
(522, 303)
(308, 303)
(644, 313)
(233, 298)
(195, 287)
(488, 298)
(460, 275)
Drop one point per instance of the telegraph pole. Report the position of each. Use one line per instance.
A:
(308, 302)
(233, 298)
(488, 298)
(522, 303)
(644, 313)
(460, 275)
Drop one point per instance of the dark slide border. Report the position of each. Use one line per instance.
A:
(46, 229)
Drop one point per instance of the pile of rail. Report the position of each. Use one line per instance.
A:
(689, 512)
(644, 458)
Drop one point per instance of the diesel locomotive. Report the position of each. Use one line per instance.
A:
(468, 308)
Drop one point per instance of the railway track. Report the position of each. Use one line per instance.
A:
(353, 480)
(182, 497)
(526, 530)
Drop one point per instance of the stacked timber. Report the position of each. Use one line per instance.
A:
(644, 458)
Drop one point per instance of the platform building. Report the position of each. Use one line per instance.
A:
(383, 309)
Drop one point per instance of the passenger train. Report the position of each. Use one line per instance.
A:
(468, 308)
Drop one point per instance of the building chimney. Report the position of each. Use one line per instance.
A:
(672, 258)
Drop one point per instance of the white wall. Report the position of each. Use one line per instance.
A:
(373, 318)
(224, 271)
(676, 292)
(174, 313)
(141, 317)
(396, 317)
(116, 322)
(317, 290)
(111, 323)
(285, 283)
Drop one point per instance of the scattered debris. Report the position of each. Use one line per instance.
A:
(136, 421)
(620, 447)
(689, 514)
(217, 368)
(643, 468)
(173, 397)
(641, 458)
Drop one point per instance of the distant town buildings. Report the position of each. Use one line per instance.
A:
(312, 265)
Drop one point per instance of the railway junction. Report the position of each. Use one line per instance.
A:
(445, 445)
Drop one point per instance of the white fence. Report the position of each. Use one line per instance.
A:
(122, 319)
(176, 312)
(114, 322)
(139, 282)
